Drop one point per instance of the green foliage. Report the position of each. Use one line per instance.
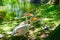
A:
(49, 11)
(45, 11)
(55, 34)
(1, 3)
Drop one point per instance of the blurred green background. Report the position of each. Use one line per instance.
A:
(12, 12)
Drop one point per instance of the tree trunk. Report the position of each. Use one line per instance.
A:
(51, 2)
(55, 2)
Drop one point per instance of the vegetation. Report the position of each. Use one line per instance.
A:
(10, 18)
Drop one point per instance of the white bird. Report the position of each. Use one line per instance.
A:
(21, 29)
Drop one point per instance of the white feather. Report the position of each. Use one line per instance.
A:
(21, 29)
